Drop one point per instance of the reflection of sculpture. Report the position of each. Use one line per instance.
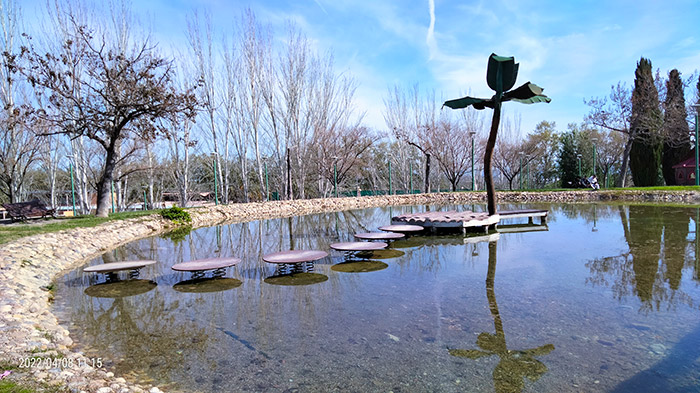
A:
(514, 365)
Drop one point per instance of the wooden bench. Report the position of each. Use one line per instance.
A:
(24, 210)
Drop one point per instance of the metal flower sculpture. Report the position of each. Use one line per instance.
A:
(500, 76)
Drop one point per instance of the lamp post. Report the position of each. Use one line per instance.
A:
(579, 165)
(697, 170)
(594, 154)
(72, 184)
(145, 201)
(472, 133)
(111, 195)
(290, 193)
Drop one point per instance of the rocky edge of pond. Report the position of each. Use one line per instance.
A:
(28, 266)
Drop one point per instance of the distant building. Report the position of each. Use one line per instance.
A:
(685, 172)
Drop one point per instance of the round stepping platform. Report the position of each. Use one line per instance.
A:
(297, 279)
(359, 267)
(359, 246)
(379, 235)
(402, 228)
(200, 265)
(118, 266)
(119, 289)
(294, 256)
(205, 285)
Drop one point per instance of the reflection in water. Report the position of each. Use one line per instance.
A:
(660, 246)
(513, 365)
(302, 278)
(203, 285)
(359, 266)
(116, 289)
(381, 254)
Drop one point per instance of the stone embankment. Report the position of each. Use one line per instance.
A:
(28, 266)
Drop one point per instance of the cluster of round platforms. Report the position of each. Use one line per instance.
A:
(288, 262)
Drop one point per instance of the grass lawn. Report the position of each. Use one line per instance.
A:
(9, 232)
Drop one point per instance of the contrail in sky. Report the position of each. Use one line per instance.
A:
(430, 38)
(323, 9)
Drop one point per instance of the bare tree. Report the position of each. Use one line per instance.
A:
(293, 69)
(451, 143)
(233, 120)
(201, 45)
(18, 147)
(340, 152)
(614, 115)
(409, 119)
(120, 92)
(512, 153)
(255, 46)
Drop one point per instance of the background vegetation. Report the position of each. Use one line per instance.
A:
(253, 114)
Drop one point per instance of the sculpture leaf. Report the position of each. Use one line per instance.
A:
(501, 73)
(478, 103)
(528, 93)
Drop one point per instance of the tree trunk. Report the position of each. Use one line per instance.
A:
(151, 176)
(290, 194)
(488, 156)
(426, 187)
(104, 184)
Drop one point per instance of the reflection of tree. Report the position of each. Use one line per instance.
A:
(131, 331)
(514, 365)
(658, 251)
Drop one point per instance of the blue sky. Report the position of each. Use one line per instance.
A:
(573, 49)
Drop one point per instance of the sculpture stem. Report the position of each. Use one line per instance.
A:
(488, 155)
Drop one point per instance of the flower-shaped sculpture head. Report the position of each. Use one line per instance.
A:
(500, 76)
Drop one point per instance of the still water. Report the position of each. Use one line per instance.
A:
(605, 298)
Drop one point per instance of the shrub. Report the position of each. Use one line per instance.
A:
(176, 214)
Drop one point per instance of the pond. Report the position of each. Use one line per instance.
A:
(607, 298)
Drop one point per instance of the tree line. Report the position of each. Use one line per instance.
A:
(92, 100)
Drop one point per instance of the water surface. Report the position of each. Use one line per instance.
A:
(606, 299)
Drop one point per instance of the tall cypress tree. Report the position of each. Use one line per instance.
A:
(675, 131)
(568, 163)
(646, 125)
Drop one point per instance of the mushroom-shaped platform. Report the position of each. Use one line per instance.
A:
(379, 235)
(402, 228)
(118, 266)
(201, 265)
(294, 256)
(359, 246)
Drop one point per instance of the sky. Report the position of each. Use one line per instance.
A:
(575, 50)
